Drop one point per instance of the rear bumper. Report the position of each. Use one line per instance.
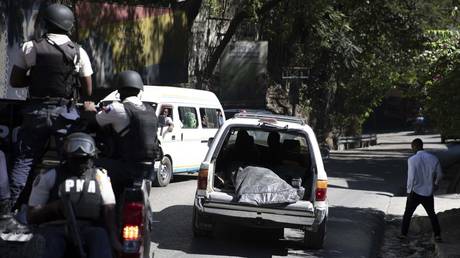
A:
(263, 217)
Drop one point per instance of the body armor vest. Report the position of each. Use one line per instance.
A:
(140, 141)
(84, 193)
(54, 74)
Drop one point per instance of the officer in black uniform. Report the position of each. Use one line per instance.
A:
(90, 192)
(56, 70)
(135, 125)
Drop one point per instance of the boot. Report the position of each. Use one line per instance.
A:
(5, 209)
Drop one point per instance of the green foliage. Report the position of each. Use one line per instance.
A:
(441, 55)
(354, 51)
(444, 103)
(439, 77)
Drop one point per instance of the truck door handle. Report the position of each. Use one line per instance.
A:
(173, 137)
(204, 141)
(182, 136)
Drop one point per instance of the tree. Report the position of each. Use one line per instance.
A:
(438, 78)
(354, 51)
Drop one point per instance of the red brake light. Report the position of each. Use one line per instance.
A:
(321, 190)
(202, 179)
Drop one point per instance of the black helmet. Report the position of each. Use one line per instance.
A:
(130, 79)
(60, 16)
(79, 145)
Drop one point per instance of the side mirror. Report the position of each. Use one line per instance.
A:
(210, 140)
(324, 152)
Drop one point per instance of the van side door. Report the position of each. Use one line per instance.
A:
(190, 138)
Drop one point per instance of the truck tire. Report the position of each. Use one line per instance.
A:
(197, 230)
(315, 240)
(164, 174)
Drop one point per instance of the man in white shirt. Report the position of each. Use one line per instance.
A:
(423, 176)
(53, 68)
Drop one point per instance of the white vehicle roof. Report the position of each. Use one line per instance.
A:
(168, 94)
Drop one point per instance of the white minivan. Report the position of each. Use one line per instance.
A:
(187, 119)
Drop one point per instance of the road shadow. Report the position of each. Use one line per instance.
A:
(352, 232)
(362, 171)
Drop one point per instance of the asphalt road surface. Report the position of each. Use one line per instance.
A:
(361, 183)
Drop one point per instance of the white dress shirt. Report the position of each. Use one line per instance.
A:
(424, 169)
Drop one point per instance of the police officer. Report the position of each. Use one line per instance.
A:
(135, 125)
(90, 191)
(52, 67)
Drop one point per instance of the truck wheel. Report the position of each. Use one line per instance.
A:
(314, 240)
(196, 221)
(164, 174)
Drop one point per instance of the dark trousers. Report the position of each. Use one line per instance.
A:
(413, 200)
(40, 121)
(95, 241)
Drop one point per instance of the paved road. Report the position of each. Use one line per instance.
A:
(361, 183)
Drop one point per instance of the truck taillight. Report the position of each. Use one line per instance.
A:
(321, 190)
(202, 179)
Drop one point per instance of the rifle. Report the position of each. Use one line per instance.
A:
(72, 227)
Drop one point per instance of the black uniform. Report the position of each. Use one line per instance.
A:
(53, 83)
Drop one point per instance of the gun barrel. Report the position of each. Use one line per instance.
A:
(72, 226)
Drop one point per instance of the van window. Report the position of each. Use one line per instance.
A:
(208, 118)
(165, 118)
(188, 117)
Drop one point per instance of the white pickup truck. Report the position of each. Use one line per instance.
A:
(254, 165)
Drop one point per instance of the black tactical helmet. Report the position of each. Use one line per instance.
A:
(130, 79)
(60, 16)
(79, 145)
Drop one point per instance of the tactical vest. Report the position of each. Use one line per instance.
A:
(140, 141)
(54, 74)
(83, 192)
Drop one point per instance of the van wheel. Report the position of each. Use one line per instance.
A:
(196, 221)
(314, 240)
(164, 174)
